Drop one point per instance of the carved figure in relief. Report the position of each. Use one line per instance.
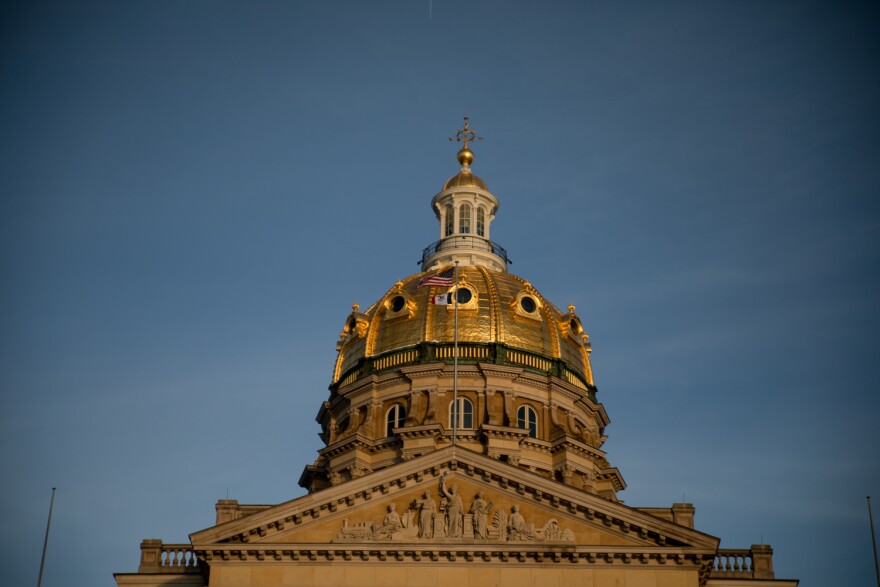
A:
(480, 510)
(551, 531)
(427, 507)
(516, 526)
(454, 509)
(390, 524)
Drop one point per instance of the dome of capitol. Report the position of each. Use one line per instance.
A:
(502, 318)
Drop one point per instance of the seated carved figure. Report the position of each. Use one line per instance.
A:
(390, 524)
(516, 526)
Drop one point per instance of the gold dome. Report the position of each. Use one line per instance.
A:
(505, 320)
(465, 179)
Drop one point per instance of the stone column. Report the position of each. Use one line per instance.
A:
(509, 408)
(431, 412)
(567, 472)
(414, 410)
(491, 414)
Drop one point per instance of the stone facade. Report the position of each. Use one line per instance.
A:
(463, 446)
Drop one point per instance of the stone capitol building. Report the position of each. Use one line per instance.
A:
(463, 447)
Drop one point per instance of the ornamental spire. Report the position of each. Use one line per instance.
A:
(465, 135)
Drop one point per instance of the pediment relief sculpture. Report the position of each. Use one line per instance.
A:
(422, 519)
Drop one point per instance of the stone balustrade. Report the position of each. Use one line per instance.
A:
(753, 563)
(157, 557)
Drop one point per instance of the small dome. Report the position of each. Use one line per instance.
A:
(495, 309)
(465, 179)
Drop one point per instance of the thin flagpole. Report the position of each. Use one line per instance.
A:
(873, 541)
(455, 361)
(46, 539)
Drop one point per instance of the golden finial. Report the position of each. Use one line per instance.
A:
(355, 307)
(465, 135)
(571, 308)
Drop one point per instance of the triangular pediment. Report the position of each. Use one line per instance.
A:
(454, 497)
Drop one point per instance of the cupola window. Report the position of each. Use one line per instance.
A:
(528, 304)
(464, 221)
(449, 220)
(464, 295)
(395, 418)
(397, 303)
(462, 413)
(481, 222)
(527, 418)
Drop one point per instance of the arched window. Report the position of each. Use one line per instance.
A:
(463, 415)
(449, 221)
(527, 418)
(481, 222)
(395, 418)
(464, 219)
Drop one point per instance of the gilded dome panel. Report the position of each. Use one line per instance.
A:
(571, 351)
(465, 179)
(500, 308)
(474, 316)
(351, 353)
(532, 333)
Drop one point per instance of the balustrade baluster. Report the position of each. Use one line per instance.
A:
(733, 563)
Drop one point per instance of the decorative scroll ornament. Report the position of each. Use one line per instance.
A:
(466, 135)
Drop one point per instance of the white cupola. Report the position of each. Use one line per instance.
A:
(465, 209)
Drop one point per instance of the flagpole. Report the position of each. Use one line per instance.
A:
(873, 541)
(46, 540)
(455, 360)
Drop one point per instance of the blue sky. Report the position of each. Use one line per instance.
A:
(193, 194)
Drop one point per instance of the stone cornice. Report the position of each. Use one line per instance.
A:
(605, 556)
(412, 372)
(570, 443)
(504, 431)
(613, 474)
(504, 371)
(615, 517)
(356, 440)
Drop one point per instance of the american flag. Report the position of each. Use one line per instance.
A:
(442, 279)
